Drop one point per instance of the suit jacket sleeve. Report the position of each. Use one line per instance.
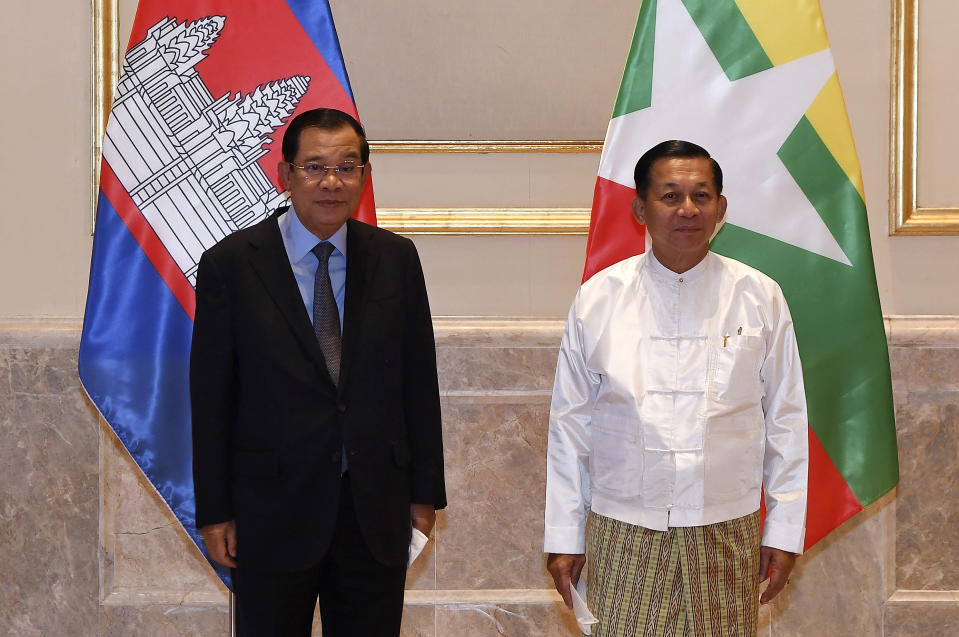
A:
(421, 393)
(213, 388)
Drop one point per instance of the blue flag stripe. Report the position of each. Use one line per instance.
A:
(134, 362)
(317, 21)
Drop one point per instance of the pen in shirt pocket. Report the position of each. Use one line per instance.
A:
(739, 332)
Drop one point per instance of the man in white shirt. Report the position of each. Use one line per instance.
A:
(678, 399)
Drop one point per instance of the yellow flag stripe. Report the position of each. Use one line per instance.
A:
(827, 114)
(787, 29)
(791, 29)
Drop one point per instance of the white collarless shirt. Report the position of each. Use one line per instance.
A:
(677, 398)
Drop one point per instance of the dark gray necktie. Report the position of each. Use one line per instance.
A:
(326, 317)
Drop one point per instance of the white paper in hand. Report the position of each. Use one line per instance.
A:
(584, 618)
(417, 543)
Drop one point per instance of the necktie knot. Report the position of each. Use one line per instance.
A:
(323, 250)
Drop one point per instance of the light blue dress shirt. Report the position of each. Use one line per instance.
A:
(299, 243)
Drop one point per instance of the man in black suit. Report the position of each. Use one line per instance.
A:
(317, 448)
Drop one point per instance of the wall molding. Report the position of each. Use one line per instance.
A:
(903, 595)
(922, 330)
(927, 330)
(906, 215)
(485, 221)
(481, 596)
(486, 146)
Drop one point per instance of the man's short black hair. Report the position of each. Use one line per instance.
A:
(325, 119)
(668, 149)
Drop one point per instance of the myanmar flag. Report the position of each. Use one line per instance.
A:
(754, 83)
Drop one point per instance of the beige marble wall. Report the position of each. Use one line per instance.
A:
(924, 355)
(90, 548)
(48, 487)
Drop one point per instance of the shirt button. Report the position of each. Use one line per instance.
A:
(341, 408)
(680, 279)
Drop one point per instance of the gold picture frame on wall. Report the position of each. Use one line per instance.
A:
(906, 215)
(106, 57)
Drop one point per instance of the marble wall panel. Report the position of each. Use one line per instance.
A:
(48, 494)
(147, 556)
(925, 369)
(161, 620)
(912, 618)
(497, 332)
(419, 621)
(927, 418)
(49, 502)
(496, 355)
(495, 461)
(887, 571)
(838, 586)
(514, 620)
(491, 368)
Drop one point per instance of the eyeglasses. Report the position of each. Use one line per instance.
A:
(345, 171)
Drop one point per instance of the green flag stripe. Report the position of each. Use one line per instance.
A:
(864, 442)
(842, 345)
(636, 91)
(729, 36)
(838, 320)
(829, 190)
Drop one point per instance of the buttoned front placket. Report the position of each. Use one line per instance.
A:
(674, 436)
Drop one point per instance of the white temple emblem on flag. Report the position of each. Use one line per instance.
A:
(189, 161)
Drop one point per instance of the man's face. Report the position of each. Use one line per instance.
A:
(324, 202)
(680, 210)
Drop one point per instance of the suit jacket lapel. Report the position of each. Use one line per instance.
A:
(361, 262)
(269, 260)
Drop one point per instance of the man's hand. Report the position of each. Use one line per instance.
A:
(423, 517)
(775, 565)
(565, 570)
(220, 540)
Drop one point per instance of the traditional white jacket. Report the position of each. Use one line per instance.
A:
(677, 398)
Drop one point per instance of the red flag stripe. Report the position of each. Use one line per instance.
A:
(614, 234)
(149, 242)
(831, 501)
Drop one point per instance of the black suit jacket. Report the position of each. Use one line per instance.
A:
(268, 422)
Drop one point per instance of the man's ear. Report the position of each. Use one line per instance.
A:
(283, 168)
(722, 209)
(639, 211)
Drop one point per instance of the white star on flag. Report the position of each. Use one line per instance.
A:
(742, 123)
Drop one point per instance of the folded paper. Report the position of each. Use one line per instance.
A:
(584, 618)
(417, 543)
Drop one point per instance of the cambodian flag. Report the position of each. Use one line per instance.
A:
(204, 94)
